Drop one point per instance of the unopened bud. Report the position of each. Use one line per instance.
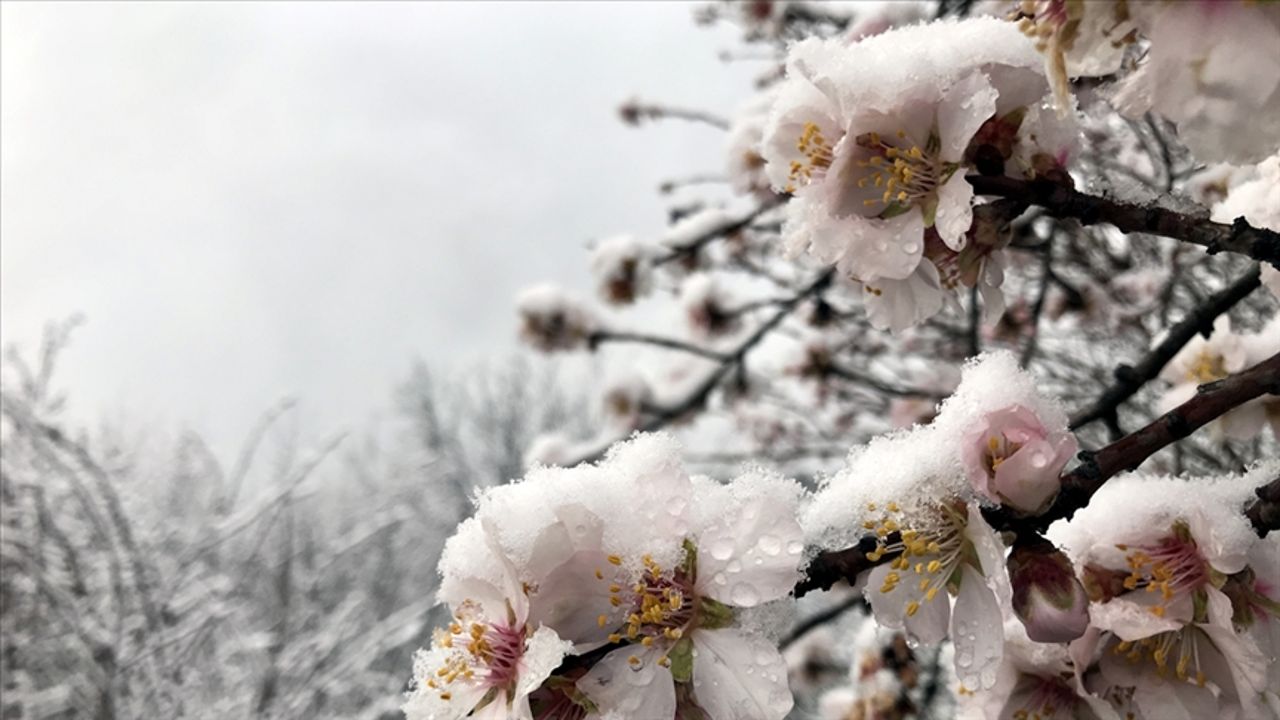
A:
(1047, 597)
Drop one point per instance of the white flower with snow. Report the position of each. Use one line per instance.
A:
(680, 644)
(744, 162)
(876, 151)
(552, 319)
(622, 268)
(1036, 680)
(1213, 68)
(1158, 555)
(490, 658)
(1255, 196)
(706, 304)
(1203, 361)
(625, 400)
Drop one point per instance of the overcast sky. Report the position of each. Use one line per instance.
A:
(250, 201)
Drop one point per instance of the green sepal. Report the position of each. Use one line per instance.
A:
(714, 615)
(1200, 606)
(681, 658)
(894, 209)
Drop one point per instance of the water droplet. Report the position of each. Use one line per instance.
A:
(1039, 460)
(882, 246)
(722, 548)
(720, 579)
(910, 248)
(743, 595)
(734, 566)
(769, 544)
(795, 547)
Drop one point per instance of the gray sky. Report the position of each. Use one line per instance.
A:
(248, 201)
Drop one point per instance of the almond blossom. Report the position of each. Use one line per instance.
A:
(622, 269)
(1203, 361)
(1158, 577)
(1213, 68)
(877, 174)
(1011, 458)
(552, 320)
(490, 658)
(681, 645)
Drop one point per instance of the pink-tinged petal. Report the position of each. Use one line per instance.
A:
(571, 599)
(739, 677)
(968, 104)
(955, 211)
(500, 709)
(1047, 596)
(746, 557)
(644, 692)
(1028, 480)
(977, 630)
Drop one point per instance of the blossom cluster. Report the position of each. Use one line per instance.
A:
(618, 590)
(631, 589)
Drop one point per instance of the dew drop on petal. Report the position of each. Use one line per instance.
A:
(769, 544)
(795, 547)
(734, 566)
(722, 548)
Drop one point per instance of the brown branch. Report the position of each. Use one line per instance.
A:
(1131, 378)
(599, 337)
(1060, 201)
(1078, 485)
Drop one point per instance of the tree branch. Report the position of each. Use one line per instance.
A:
(600, 337)
(1131, 378)
(1060, 201)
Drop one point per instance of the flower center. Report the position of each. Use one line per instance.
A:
(1172, 567)
(817, 157)
(1208, 367)
(660, 607)
(908, 175)
(929, 553)
(487, 653)
(1182, 647)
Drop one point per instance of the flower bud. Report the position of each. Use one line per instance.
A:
(1013, 459)
(1047, 597)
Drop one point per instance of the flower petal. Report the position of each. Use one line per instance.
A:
(955, 211)
(967, 104)
(645, 691)
(543, 652)
(977, 631)
(739, 677)
(750, 549)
